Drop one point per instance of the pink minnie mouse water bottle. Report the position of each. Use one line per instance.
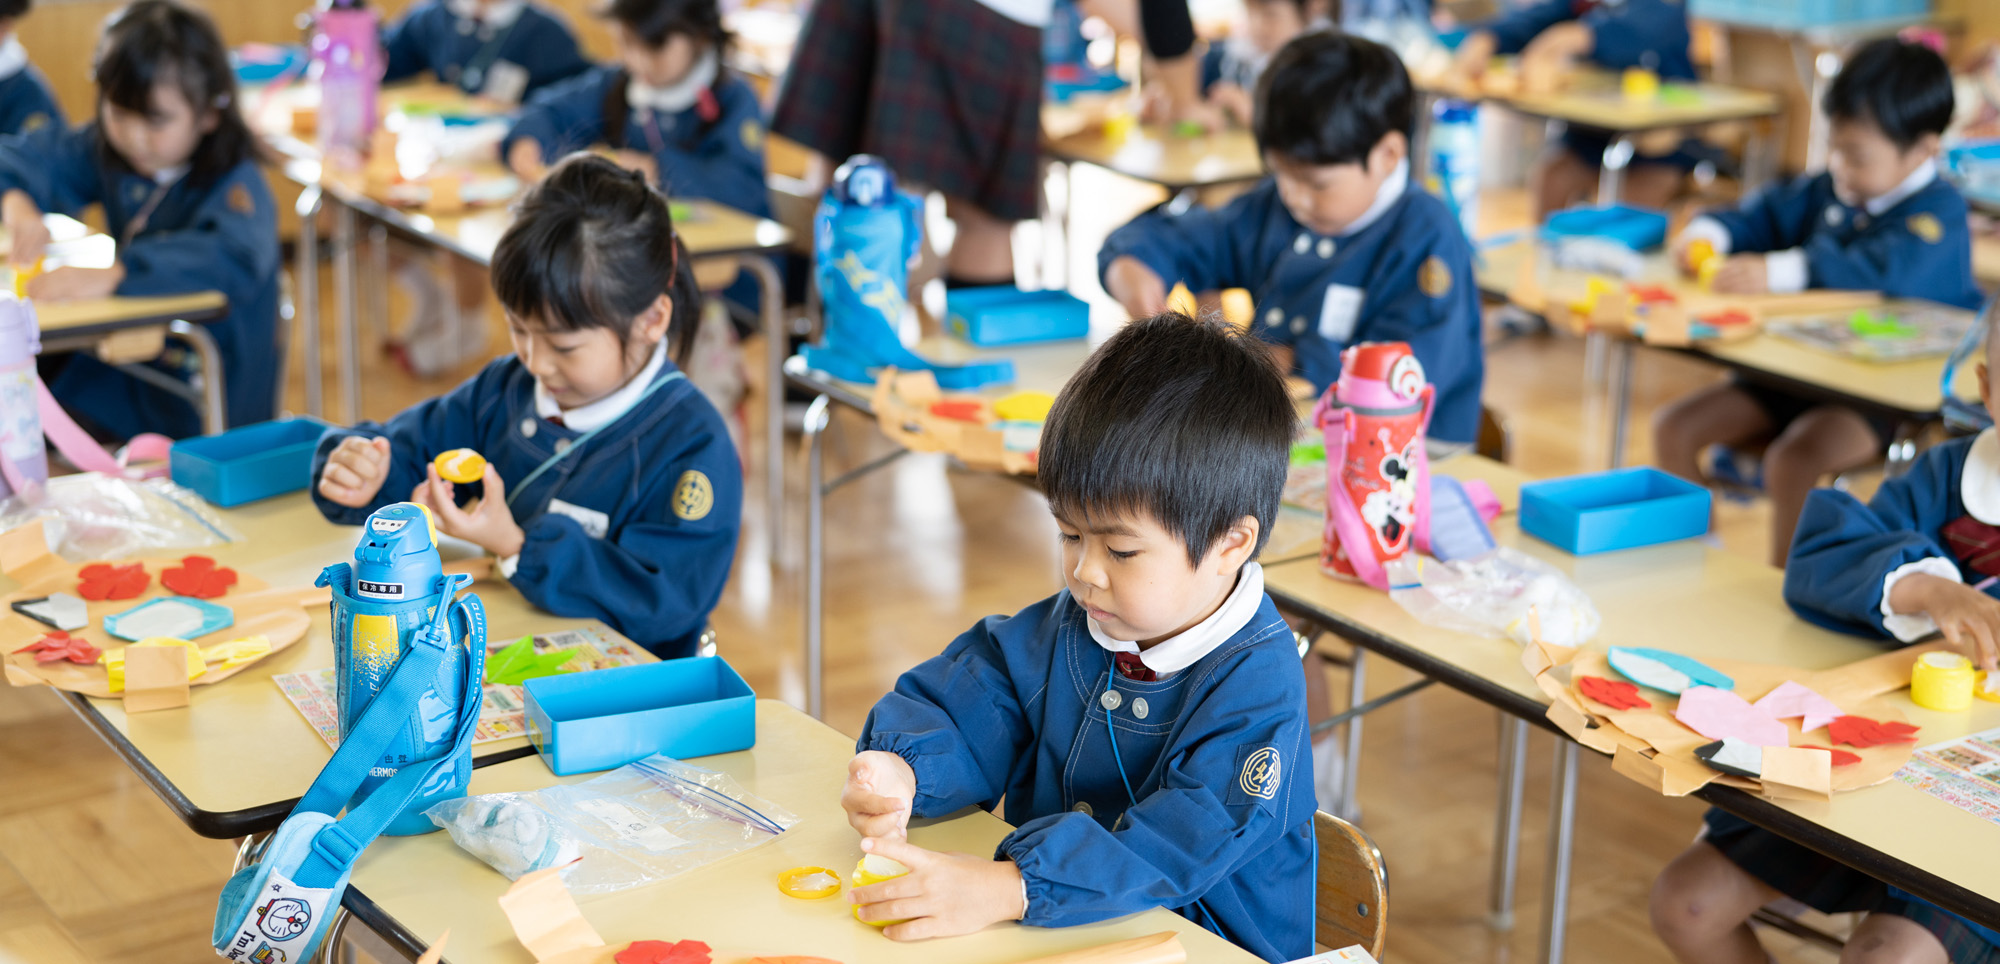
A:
(1378, 477)
(347, 52)
(24, 464)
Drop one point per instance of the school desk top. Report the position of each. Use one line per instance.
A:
(235, 760)
(1593, 98)
(1905, 390)
(73, 320)
(1689, 598)
(410, 889)
(1150, 152)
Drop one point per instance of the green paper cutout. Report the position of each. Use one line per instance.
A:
(519, 663)
(1887, 327)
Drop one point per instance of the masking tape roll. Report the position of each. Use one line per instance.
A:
(809, 883)
(1942, 681)
(460, 466)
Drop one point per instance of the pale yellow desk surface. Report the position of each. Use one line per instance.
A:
(1151, 153)
(1688, 598)
(201, 750)
(1911, 386)
(71, 243)
(1594, 98)
(427, 884)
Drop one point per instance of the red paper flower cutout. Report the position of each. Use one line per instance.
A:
(1617, 694)
(57, 645)
(1841, 758)
(661, 952)
(1652, 294)
(1863, 732)
(102, 580)
(960, 410)
(198, 576)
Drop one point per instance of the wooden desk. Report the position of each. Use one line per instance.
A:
(1044, 368)
(1153, 154)
(1691, 599)
(194, 758)
(410, 889)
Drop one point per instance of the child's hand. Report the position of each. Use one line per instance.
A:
(1474, 56)
(1743, 274)
(76, 284)
(880, 790)
(943, 895)
(487, 523)
(355, 471)
(1969, 618)
(1136, 287)
(1233, 101)
(526, 161)
(27, 236)
(1546, 61)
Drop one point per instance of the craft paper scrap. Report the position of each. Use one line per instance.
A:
(1617, 694)
(1733, 756)
(1841, 758)
(1863, 732)
(545, 917)
(58, 609)
(1964, 773)
(1722, 715)
(1664, 671)
(1791, 699)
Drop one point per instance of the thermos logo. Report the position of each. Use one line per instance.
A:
(392, 590)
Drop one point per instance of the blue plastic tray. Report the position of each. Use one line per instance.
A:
(249, 463)
(607, 718)
(1005, 315)
(1637, 228)
(1619, 509)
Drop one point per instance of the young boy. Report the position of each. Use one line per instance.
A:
(1550, 35)
(1146, 726)
(1881, 219)
(1230, 69)
(1898, 568)
(1339, 246)
(26, 102)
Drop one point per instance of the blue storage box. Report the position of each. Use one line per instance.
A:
(1619, 509)
(607, 718)
(1006, 315)
(1636, 228)
(1802, 14)
(249, 463)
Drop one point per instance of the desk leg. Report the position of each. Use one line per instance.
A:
(214, 412)
(250, 850)
(1611, 177)
(1621, 397)
(1420, 139)
(1507, 823)
(336, 932)
(344, 297)
(1350, 775)
(378, 287)
(1902, 449)
(771, 293)
(815, 430)
(307, 291)
(1562, 832)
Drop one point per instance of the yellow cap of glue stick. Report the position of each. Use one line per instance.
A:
(460, 466)
(1942, 681)
(874, 869)
(809, 883)
(23, 275)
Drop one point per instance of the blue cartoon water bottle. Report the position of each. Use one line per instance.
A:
(392, 590)
(1454, 150)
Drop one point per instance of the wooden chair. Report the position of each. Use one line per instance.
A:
(1493, 441)
(1352, 903)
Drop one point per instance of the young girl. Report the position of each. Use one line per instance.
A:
(504, 50)
(611, 489)
(175, 170)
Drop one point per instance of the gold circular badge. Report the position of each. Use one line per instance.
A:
(752, 133)
(1926, 226)
(1434, 278)
(693, 496)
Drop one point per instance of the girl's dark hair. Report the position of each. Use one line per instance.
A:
(154, 42)
(592, 246)
(653, 21)
(15, 9)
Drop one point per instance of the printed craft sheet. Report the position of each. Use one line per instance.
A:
(502, 713)
(1964, 773)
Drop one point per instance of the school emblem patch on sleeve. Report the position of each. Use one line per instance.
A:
(35, 121)
(240, 201)
(752, 133)
(693, 496)
(1927, 227)
(1434, 278)
(1259, 771)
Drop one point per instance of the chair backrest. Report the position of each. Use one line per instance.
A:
(1492, 442)
(1352, 896)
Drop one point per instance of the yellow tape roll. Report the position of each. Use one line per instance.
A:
(1942, 681)
(809, 883)
(874, 869)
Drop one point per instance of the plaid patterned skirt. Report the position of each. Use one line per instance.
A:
(948, 92)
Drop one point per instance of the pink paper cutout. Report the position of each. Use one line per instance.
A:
(1793, 699)
(1723, 715)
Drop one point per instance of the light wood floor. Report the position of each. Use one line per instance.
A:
(94, 869)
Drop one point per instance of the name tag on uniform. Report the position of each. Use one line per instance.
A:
(1339, 312)
(595, 524)
(506, 82)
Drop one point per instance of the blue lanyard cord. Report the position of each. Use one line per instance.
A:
(514, 492)
(1111, 734)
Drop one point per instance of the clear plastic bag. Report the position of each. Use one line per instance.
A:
(644, 822)
(1491, 595)
(89, 516)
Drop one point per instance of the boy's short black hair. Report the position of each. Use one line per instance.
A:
(1329, 98)
(1186, 421)
(15, 9)
(1902, 88)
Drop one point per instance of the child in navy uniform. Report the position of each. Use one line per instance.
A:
(26, 102)
(1232, 66)
(174, 169)
(1145, 727)
(1339, 246)
(671, 108)
(501, 49)
(1898, 569)
(611, 488)
(1880, 219)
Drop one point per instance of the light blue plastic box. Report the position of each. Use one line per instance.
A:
(1005, 315)
(580, 722)
(1619, 509)
(248, 463)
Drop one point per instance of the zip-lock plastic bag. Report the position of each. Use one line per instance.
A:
(642, 823)
(1492, 594)
(89, 516)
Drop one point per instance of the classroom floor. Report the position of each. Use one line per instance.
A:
(93, 868)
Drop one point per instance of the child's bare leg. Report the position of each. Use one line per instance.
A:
(1718, 415)
(983, 251)
(1560, 179)
(1824, 441)
(1701, 907)
(1889, 939)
